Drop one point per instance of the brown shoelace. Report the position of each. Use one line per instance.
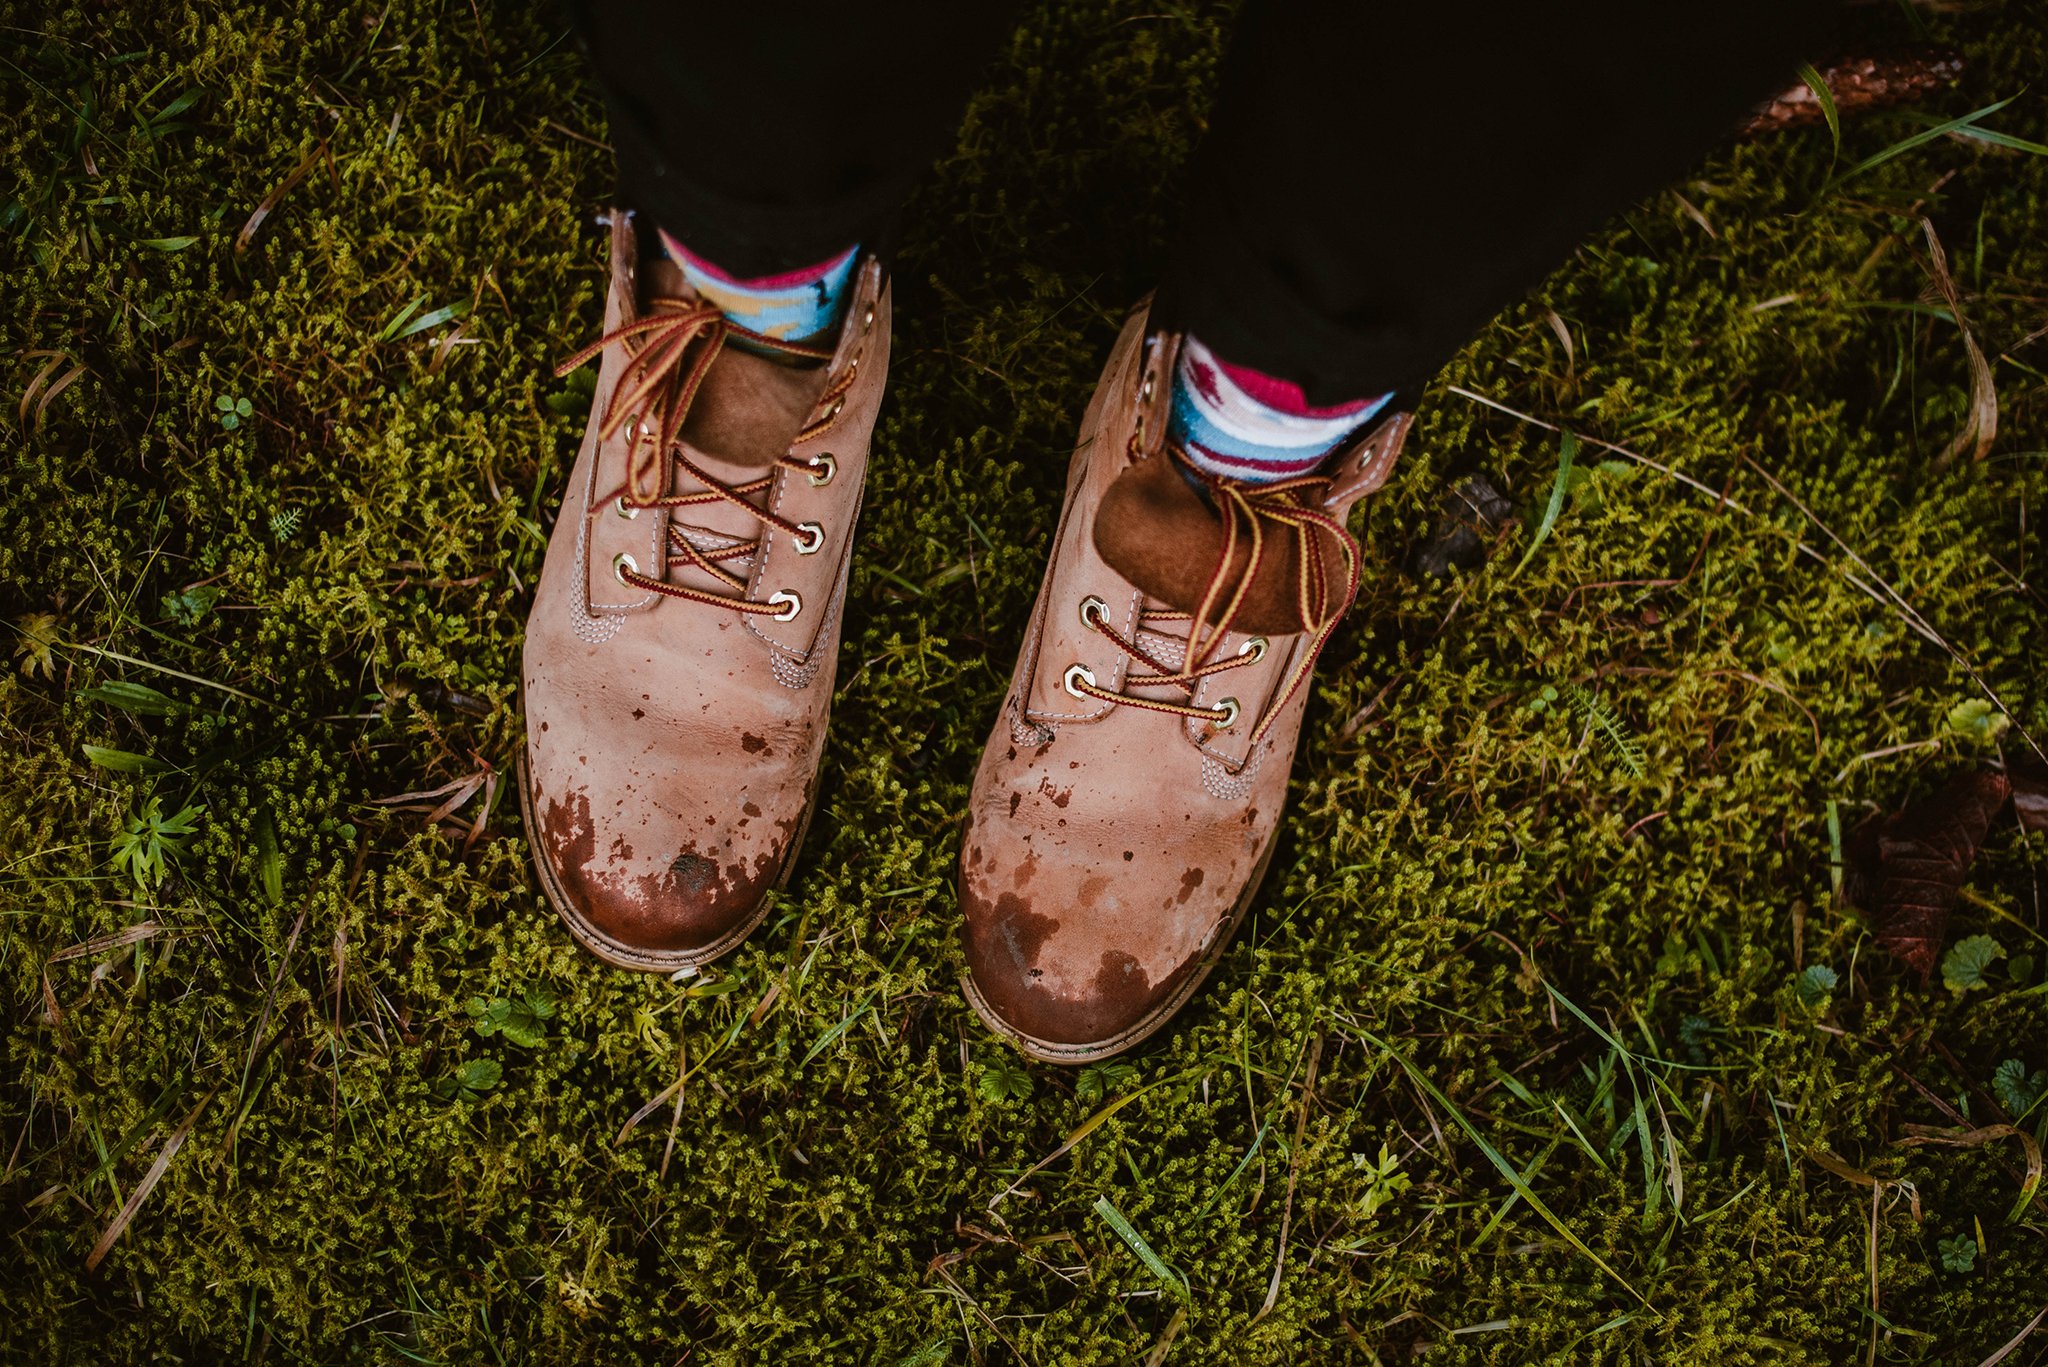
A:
(1288, 506)
(669, 350)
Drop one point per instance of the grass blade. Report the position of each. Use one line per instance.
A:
(1567, 450)
(1114, 1218)
(431, 320)
(1919, 139)
(1500, 1163)
(391, 328)
(1826, 99)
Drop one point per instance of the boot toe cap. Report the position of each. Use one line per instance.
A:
(1056, 974)
(642, 889)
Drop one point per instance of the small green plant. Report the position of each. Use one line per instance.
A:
(189, 607)
(572, 400)
(1968, 961)
(1958, 1255)
(38, 638)
(1977, 722)
(284, 524)
(1384, 1180)
(2015, 1089)
(522, 1020)
(1100, 1081)
(232, 412)
(150, 840)
(1002, 1079)
(1817, 985)
(470, 1081)
(1621, 744)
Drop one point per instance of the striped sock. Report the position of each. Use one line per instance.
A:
(790, 306)
(1251, 427)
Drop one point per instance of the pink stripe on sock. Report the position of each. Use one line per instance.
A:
(1285, 395)
(683, 256)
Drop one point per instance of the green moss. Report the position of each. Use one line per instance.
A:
(1459, 871)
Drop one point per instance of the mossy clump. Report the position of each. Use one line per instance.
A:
(1521, 1056)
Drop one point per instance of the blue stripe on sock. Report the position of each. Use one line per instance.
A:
(802, 310)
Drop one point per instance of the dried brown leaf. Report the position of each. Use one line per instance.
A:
(1907, 869)
(1980, 427)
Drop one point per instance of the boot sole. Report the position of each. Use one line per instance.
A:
(618, 953)
(1046, 1051)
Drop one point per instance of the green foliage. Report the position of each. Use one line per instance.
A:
(522, 1020)
(149, 840)
(470, 1081)
(367, 1178)
(1383, 1181)
(1976, 721)
(233, 412)
(2017, 1090)
(1958, 1255)
(1817, 984)
(1968, 961)
(1098, 1082)
(1622, 745)
(1000, 1077)
(37, 641)
(188, 607)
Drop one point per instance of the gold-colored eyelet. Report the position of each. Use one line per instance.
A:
(1255, 647)
(791, 605)
(625, 509)
(1145, 391)
(1228, 707)
(810, 536)
(853, 364)
(1077, 671)
(1094, 612)
(867, 318)
(824, 465)
(620, 564)
(833, 411)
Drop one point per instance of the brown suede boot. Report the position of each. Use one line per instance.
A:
(1125, 807)
(683, 640)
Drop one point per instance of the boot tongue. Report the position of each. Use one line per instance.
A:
(747, 412)
(1158, 531)
(750, 407)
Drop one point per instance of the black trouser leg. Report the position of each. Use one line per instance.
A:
(1380, 179)
(771, 134)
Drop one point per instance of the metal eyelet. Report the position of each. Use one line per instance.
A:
(853, 364)
(867, 318)
(824, 465)
(792, 605)
(833, 411)
(1084, 672)
(620, 564)
(1145, 391)
(1255, 647)
(625, 509)
(1228, 707)
(813, 538)
(1094, 612)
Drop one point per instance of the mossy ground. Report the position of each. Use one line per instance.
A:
(848, 1175)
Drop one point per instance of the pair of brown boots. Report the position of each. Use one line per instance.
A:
(683, 641)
